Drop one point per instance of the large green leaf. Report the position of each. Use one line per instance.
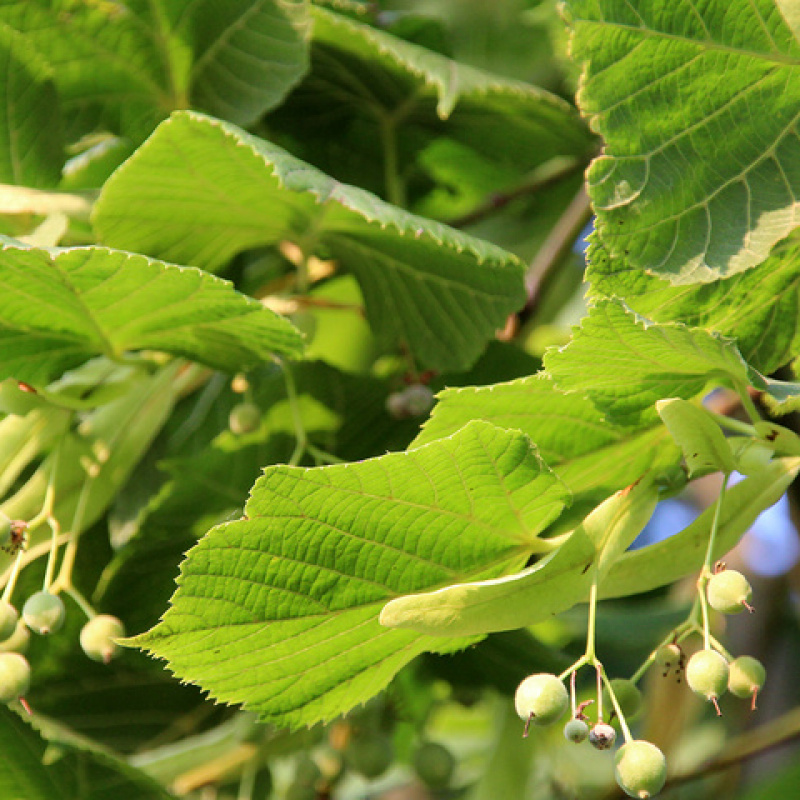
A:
(206, 476)
(279, 610)
(81, 771)
(124, 68)
(625, 363)
(60, 307)
(698, 106)
(31, 150)
(372, 98)
(248, 53)
(757, 308)
(592, 456)
(201, 190)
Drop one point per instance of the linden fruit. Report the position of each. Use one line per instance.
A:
(541, 699)
(576, 730)
(244, 418)
(729, 592)
(44, 612)
(434, 764)
(15, 676)
(98, 637)
(707, 675)
(640, 769)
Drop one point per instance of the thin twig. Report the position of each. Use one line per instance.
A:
(541, 179)
(558, 243)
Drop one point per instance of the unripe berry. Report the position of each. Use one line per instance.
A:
(628, 696)
(244, 418)
(98, 635)
(729, 592)
(576, 730)
(707, 675)
(669, 656)
(746, 676)
(15, 676)
(396, 406)
(602, 736)
(419, 399)
(369, 755)
(640, 769)
(44, 612)
(541, 699)
(434, 764)
(8, 620)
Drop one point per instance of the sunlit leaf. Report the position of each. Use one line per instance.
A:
(59, 308)
(697, 104)
(279, 610)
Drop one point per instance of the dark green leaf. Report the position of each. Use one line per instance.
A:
(248, 53)
(201, 190)
(372, 97)
(81, 771)
(31, 149)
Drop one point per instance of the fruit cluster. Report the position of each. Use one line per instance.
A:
(640, 768)
(43, 613)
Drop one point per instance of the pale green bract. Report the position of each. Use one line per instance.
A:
(695, 431)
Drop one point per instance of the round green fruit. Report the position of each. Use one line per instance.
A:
(640, 769)
(602, 736)
(628, 696)
(707, 675)
(8, 620)
(746, 676)
(541, 699)
(729, 592)
(434, 764)
(44, 612)
(369, 755)
(244, 418)
(576, 730)
(669, 656)
(98, 637)
(15, 676)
